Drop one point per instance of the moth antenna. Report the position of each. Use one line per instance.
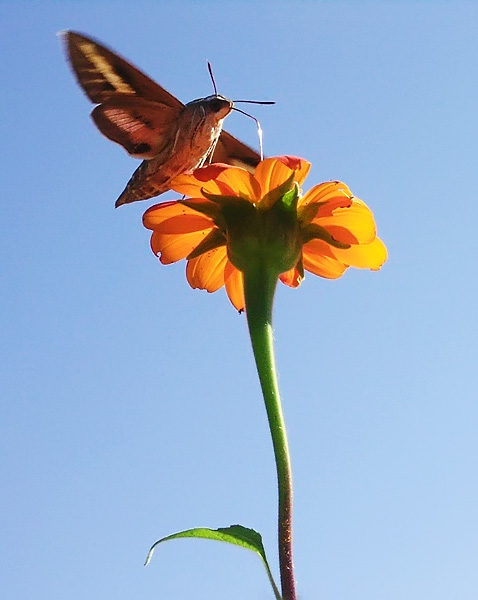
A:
(256, 101)
(259, 129)
(209, 68)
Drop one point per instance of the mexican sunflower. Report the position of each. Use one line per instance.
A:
(230, 218)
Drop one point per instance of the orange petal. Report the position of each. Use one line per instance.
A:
(184, 224)
(365, 256)
(189, 185)
(174, 247)
(336, 192)
(300, 166)
(270, 174)
(318, 259)
(155, 215)
(234, 286)
(206, 272)
(236, 181)
(210, 171)
(217, 179)
(357, 219)
(292, 278)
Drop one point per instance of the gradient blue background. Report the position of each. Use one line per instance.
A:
(130, 406)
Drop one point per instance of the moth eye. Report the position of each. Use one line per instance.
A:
(217, 104)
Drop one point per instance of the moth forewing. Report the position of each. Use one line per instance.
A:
(103, 74)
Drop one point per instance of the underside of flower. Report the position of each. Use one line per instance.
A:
(233, 220)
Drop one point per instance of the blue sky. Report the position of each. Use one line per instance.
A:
(130, 404)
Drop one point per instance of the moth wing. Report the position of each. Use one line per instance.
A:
(144, 128)
(104, 75)
(231, 151)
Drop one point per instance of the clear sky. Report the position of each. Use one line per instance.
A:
(130, 406)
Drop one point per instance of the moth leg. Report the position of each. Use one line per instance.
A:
(210, 153)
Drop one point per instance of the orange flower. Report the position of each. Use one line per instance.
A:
(330, 230)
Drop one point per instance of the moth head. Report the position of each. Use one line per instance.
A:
(215, 104)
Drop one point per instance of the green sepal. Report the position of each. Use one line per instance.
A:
(309, 212)
(205, 208)
(235, 534)
(230, 209)
(213, 240)
(224, 200)
(291, 198)
(279, 192)
(317, 232)
(285, 208)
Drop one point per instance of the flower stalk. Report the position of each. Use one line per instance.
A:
(259, 288)
(246, 232)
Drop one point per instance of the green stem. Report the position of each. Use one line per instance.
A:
(259, 288)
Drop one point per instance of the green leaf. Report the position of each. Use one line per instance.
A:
(235, 534)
